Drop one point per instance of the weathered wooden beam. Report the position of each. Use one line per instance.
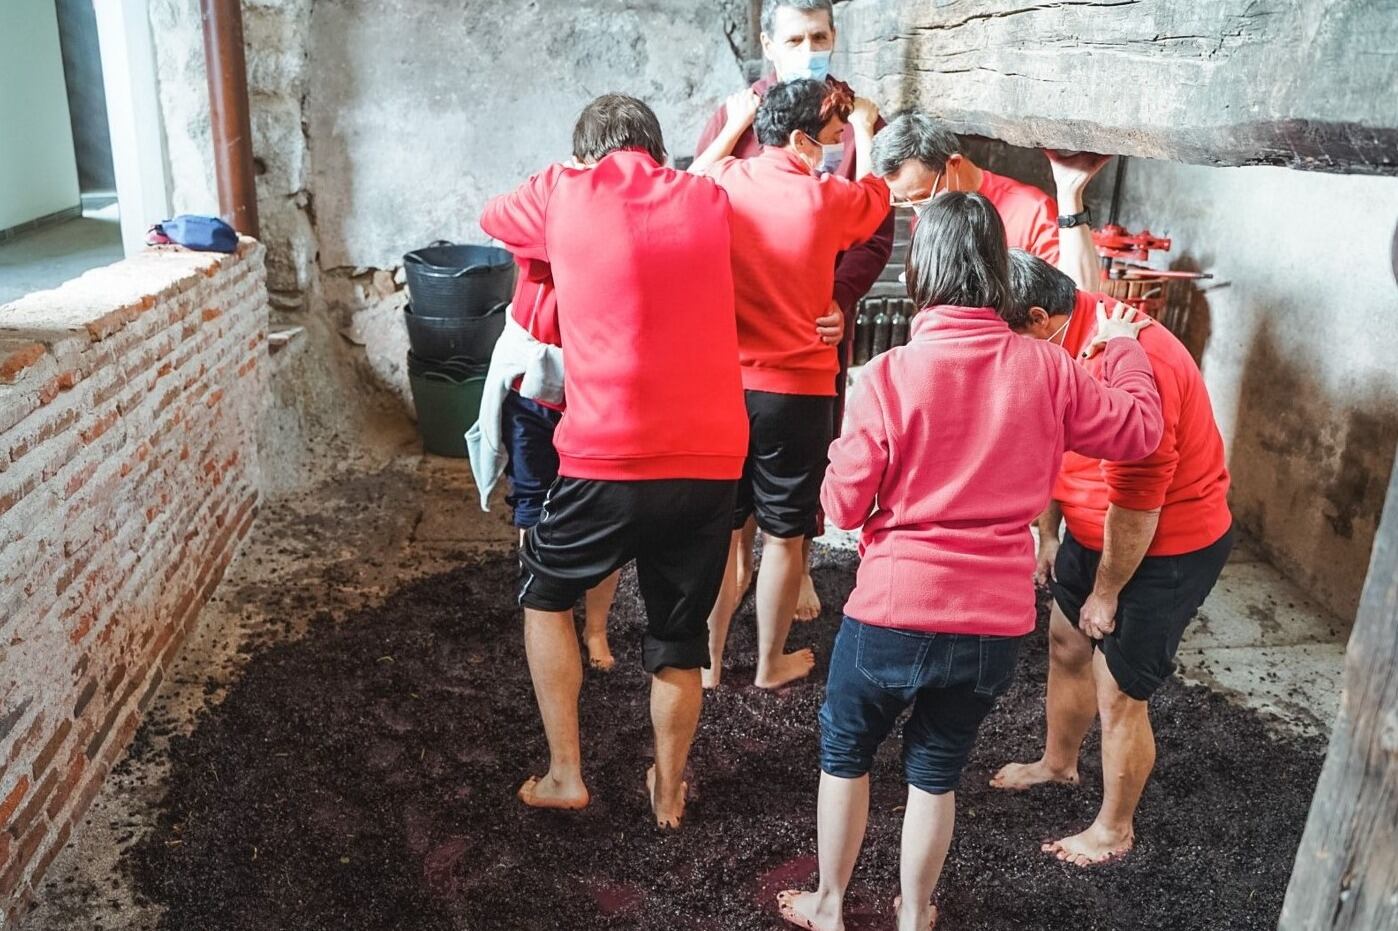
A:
(1303, 83)
(1346, 874)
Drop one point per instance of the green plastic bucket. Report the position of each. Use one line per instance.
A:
(446, 407)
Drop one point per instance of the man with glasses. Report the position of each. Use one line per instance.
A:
(920, 158)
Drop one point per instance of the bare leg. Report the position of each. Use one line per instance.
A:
(778, 585)
(598, 604)
(1072, 704)
(842, 816)
(556, 668)
(722, 614)
(808, 602)
(746, 558)
(927, 827)
(675, 700)
(1128, 756)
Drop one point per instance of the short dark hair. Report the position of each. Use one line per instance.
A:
(770, 7)
(910, 135)
(1036, 283)
(616, 121)
(958, 255)
(805, 104)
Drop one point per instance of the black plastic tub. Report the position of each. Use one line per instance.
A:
(469, 340)
(446, 280)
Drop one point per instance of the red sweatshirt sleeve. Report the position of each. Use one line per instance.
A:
(858, 458)
(517, 218)
(1120, 419)
(1141, 484)
(1044, 238)
(866, 207)
(861, 266)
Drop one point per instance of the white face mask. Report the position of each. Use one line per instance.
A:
(919, 207)
(1054, 337)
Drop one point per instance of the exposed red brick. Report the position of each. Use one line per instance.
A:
(77, 763)
(32, 808)
(211, 313)
(102, 425)
(79, 479)
(214, 397)
(46, 755)
(48, 390)
(14, 361)
(11, 801)
(54, 847)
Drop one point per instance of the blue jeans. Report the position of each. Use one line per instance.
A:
(951, 681)
(533, 463)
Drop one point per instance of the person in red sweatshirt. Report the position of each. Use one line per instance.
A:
(920, 158)
(1145, 543)
(789, 224)
(652, 442)
(798, 38)
(945, 462)
(532, 464)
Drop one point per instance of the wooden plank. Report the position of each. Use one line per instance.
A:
(1346, 874)
(1301, 83)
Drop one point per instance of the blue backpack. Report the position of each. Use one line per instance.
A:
(202, 234)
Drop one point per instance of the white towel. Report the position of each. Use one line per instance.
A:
(517, 354)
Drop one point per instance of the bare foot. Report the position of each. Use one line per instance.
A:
(599, 651)
(547, 792)
(670, 814)
(710, 677)
(1093, 847)
(808, 603)
(1016, 777)
(923, 921)
(807, 910)
(788, 668)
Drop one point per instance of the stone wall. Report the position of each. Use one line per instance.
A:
(129, 401)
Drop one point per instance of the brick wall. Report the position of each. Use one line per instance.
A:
(128, 474)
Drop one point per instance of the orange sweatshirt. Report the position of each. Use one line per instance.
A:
(788, 228)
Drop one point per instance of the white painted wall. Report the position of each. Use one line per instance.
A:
(1300, 349)
(38, 171)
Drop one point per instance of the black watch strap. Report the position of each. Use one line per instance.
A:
(1075, 219)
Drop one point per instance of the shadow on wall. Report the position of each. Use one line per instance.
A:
(1311, 467)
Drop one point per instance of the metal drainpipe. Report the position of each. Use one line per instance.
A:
(229, 113)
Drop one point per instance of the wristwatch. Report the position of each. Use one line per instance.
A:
(1076, 219)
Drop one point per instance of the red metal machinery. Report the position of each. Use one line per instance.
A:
(1127, 277)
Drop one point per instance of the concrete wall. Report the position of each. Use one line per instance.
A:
(1299, 343)
(38, 174)
(129, 405)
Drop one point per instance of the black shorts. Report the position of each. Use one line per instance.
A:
(533, 462)
(788, 449)
(1153, 611)
(677, 530)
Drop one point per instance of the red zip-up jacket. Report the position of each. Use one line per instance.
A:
(1186, 477)
(951, 449)
(858, 267)
(788, 228)
(641, 262)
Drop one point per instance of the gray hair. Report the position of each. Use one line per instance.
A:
(770, 7)
(914, 135)
(1036, 283)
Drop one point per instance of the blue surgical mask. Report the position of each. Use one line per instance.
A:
(806, 63)
(831, 157)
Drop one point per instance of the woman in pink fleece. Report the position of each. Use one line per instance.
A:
(950, 451)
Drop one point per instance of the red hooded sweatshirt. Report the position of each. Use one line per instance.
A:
(949, 455)
(1186, 476)
(788, 228)
(641, 262)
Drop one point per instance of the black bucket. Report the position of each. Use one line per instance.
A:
(446, 280)
(468, 340)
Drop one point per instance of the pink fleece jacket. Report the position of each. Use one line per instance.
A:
(950, 450)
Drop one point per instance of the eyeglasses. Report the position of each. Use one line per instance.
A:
(915, 204)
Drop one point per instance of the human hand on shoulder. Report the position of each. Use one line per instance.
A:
(741, 109)
(864, 116)
(1117, 325)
